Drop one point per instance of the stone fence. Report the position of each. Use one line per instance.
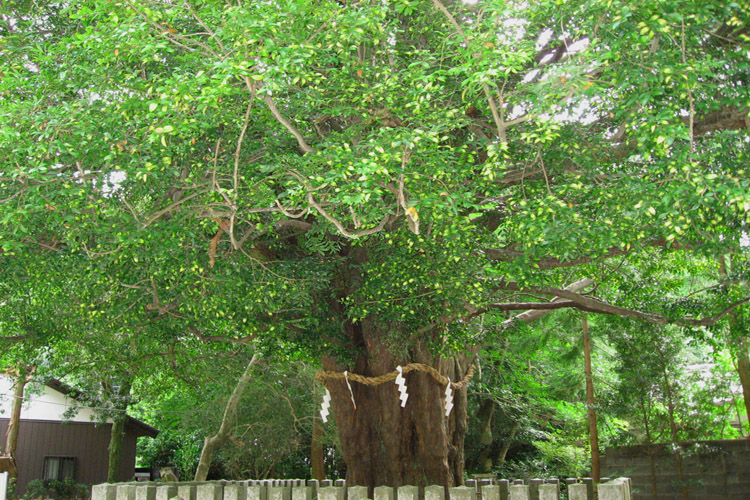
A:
(299, 489)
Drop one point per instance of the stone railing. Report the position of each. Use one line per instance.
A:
(299, 489)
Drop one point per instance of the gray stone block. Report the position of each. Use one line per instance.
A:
(519, 492)
(577, 492)
(278, 493)
(548, 492)
(504, 486)
(462, 493)
(302, 492)
(534, 488)
(126, 492)
(407, 492)
(145, 492)
(383, 493)
(356, 493)
(104, 492)
(187, 491)
(166, 491)
(256, 492)
(491, 492)
(209, 491)
(235, 491)
(434, 492)
(612, 491)
(331, 493)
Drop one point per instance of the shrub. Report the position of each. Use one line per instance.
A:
(67, 489)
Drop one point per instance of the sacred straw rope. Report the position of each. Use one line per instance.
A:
(389, 377)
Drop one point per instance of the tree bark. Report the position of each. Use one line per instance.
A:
(316, 451)
(384, 444)
(23, 377)
(213, 443)
(739, 339)
(743, 368)
(485, 414)
(118, 432)
(591, 410)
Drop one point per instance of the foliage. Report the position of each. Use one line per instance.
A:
(332, 179)
(271, 436)
(66, 489)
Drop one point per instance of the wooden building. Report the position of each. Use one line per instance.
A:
(53, 447)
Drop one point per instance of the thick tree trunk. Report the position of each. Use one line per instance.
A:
(213, 443)
(118, 433)
(384, 444)
(590, 404)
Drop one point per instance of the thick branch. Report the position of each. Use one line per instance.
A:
(730, 118)
(591, 304)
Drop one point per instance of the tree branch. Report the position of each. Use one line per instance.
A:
(591, 304)
(287, 124)
(509, 255)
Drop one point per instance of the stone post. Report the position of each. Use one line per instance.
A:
(519, 492)
(615, 490)
(548, 492)
(490, 492)
(331, 493)
(302, 493)
(278, 493)
(104, 492)
(236, 491)
(407, 492)
(208, 491)
(356, 493)
(589, 486)
(145, 492)
(127, 492)
(256, 492)
(382, 493)
(434, 492)
(462, 493)
(187, 491)
(504, 486)
(577, 491)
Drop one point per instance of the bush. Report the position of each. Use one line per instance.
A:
(67, 489)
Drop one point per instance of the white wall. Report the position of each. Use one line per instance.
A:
(3, 485)
(44, 404)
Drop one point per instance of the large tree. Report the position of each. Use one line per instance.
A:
(367, 180)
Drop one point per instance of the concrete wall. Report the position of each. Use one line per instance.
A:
(711, 470)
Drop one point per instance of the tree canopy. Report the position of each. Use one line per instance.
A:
(374, 183)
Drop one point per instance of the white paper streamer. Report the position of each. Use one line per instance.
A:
(448, 399)
(325, 406)
(401, 383)
(346, 377)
